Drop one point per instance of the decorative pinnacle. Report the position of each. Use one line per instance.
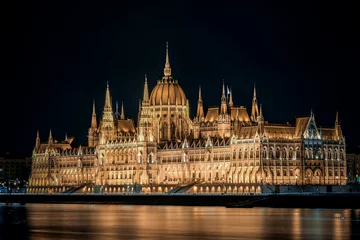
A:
(200, 97)
(254, 98)
(167, 69)
(122, 116)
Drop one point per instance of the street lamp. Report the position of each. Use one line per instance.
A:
(296, 177)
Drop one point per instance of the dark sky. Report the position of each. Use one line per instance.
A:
(301, 56)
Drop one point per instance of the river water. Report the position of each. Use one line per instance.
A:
(77, 221)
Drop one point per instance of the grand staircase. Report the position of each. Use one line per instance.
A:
(182, 188)
(74, 189)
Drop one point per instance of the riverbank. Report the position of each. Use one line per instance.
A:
(316, 200)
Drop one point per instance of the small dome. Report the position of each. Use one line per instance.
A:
(165, 89)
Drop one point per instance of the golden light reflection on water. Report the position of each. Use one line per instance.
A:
(52, 221)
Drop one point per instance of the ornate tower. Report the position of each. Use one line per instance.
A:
(254, 108)
(338, 132)
(145, 117)
(223, 108)
(260, 121)
(107, 126)
(169, 107)
(224, 120)
(37, 144)
(93, 131)
(199, 116)
(231, 103)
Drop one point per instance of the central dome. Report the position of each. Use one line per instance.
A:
(167, 92)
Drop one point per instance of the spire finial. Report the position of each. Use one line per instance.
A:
(200, 97)
(122, 116)
(223, 88)
(116, 107)
(337, 118)
(94, 107)
(50, 137)
(107, 106)
(231, 98)
(261, 113)
(167, 69)
(254, 97)
(146, 90)
(37, 134)
(93, 118)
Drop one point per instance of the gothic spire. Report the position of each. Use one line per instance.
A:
(223, 109)
(108, 114)
(337, 118)
(200, 97)
(107, 106)
(122, 116)
(167, 69)
(200, 108)
(93, 118)
(254, 108)
(260, 117)
(146, 91)
(37, 143)
(231, 99)
(50, 137)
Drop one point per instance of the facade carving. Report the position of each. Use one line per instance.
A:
(224, 150)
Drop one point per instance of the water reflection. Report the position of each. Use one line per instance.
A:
(72, 221)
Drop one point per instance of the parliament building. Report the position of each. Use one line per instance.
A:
(226, 149)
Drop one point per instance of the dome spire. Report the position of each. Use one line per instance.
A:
(167, 69)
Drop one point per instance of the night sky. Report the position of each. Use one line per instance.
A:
(302, 57)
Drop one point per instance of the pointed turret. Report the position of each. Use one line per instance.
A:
(107, 106)
(200, 108)
(167, 69)
(337, 118)
(50, 141)
(122, 116)
(223, 109)
(93, 117)
(146, 91)
(107, 126)
(338, 132)
(231, 99)
(254, 108)
(37, 143)
(260, 121)
(117, 114)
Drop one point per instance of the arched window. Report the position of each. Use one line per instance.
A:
(172, 130)
(164, 131)
(291, 153)
(264, 153)
(278, 153)
(271, 153)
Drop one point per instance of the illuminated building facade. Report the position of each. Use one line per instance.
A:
(225, 150)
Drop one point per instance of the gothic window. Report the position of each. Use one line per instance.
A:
(172, 130)
(278, 153)
(271, 153)
(264, 153)
(164, 131)
(291, 153)
(307, 156)
(251, 154)
(245, 153)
